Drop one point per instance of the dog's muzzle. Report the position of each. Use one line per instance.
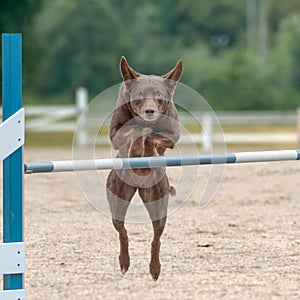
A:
(150, 114)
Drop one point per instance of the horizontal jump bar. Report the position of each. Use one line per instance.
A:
(160, 161)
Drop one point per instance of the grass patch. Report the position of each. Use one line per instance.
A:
(49, 139)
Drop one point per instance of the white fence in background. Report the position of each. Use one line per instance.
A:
(63, 118)
(52, 118)
(257, 118)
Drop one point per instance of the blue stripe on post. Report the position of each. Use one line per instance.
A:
(12, 165)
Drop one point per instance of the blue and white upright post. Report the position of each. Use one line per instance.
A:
(12, 140)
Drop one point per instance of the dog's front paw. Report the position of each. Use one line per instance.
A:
(136, 148)
(162, 141)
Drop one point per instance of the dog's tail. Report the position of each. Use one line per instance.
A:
(172, 190)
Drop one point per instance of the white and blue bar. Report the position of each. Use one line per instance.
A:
(160, 161)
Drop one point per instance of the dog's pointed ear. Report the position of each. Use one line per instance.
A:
(126, 71)
(175, 73)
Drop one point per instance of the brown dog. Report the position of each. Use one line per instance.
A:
(144, 123)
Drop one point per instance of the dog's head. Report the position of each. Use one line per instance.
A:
(149, 96)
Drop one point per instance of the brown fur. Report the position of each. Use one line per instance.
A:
(144, 123)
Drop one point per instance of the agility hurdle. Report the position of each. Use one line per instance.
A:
(12, 254)
(160, 161)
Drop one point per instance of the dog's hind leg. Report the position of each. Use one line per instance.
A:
(158, 228)
(156, 202)
(119, 195)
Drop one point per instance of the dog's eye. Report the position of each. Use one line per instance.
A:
(139, 96)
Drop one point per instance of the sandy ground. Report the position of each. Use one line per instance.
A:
(244, 245)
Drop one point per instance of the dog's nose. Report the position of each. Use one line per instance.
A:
(149, 111)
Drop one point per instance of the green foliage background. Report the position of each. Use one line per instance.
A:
(79, 43)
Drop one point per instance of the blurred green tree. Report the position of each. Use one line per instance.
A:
(18, 17)
(82, 43)
(77, 43)
(200, 21)
(284, 63)
(234, 78)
